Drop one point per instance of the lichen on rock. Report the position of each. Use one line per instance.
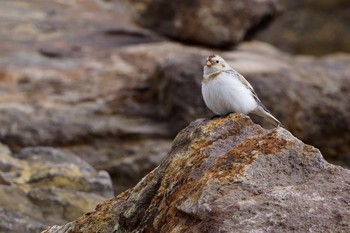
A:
(230, 175)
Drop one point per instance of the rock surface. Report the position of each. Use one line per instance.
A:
(230, 175)
(298, 27)
(43, 186)
(177, 89)
(310, 27)
(64, 84)
(112, 93)
(213, 23)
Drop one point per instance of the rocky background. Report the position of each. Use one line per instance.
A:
(93, 86)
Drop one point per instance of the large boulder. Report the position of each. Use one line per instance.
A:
(43, 186)
(230, 175)
(213, 23)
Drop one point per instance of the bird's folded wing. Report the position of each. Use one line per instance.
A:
(248, 86)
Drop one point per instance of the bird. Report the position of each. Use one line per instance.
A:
(226, 91)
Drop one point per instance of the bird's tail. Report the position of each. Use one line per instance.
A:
(260, 111)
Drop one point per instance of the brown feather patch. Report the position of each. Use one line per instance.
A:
(211, 57)
(211, 77)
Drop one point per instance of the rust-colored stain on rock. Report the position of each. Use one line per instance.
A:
(215, 165)
(191, 176)
(234, 162)
(218, 129)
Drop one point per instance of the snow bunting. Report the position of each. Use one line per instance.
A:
(225, 91)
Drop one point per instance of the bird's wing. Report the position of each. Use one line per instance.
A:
(248, 86)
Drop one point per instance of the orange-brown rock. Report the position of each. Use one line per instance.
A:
(230, 175)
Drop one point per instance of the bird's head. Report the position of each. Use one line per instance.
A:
(215, 63)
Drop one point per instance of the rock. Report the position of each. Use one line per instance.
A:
(177, 87)
(18, 213)
(127, 161)
(43, 186)
(222, 23)
(230, 175)
(64, 85)
(316, 30)
(212, 23)
(67, 63)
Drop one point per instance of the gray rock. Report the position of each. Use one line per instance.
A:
(16, 221)
(64, 85)
(230, 175)
(214, 23)
(310, 27)
(177, 87)
(44, 186)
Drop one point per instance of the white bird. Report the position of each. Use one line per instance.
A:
(225, 91)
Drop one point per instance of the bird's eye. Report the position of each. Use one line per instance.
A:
(217, 62)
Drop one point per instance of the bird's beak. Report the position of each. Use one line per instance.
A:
(209, 63)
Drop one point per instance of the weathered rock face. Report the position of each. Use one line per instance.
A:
(42, 186)
(310, 27)
(214, 23)
(230, 175)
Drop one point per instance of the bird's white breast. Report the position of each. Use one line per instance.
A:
(225, 93)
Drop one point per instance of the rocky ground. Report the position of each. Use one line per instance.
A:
(81, 78)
